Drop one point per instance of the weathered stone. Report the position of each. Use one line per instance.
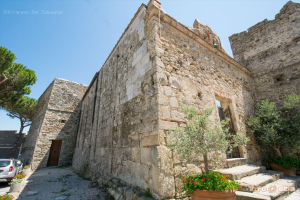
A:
(173, 102)
(145, 156)
(167, 125)
(236, 173)
(169, 68)
(168, 91)
(150, 140)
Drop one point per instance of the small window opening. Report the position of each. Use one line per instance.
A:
(200, 95)
(278, 78)
(216, 45)
(63, 121)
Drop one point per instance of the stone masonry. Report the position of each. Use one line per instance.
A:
(56, 118)
(271, 51)
(123, 118)
(157, 64)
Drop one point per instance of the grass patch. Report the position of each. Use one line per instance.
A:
(67, 175)
(66, 194)
(63, 190)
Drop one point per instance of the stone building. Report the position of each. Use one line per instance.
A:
(52, 135)
(157, 64)
(271, 51)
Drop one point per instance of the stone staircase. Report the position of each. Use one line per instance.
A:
(261, 184)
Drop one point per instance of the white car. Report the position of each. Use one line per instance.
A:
(8, 169)
(19, 165)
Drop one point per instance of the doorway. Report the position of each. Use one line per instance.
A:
(225, 111)
(54, 153)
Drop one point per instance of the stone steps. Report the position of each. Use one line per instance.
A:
(278, 189)
(238, 172)
(249, 183)
(275, 190)
(294, 196)
(233, 162)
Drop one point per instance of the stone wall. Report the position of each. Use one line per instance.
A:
(119, 113)
(194, 71)
(133, 101)
(56, 118)
(271, 51)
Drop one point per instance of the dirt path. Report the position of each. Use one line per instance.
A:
(60, 183)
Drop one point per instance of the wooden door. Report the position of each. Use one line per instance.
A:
(54, 153)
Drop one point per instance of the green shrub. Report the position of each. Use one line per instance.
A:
(287, 162)
(277, 129)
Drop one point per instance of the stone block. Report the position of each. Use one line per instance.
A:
(145, 155)
(137, 59)
(141, 34)
(168, 91)
(141, 49)
(177, 116)
(163, 79)
(165, 113)
(162, 99)
(161, 156)
(166, 125)
(159, 63)
(173, 102)
(150, 140)
(175, 83)
(136, 154)
(140, 175)
(163, 183)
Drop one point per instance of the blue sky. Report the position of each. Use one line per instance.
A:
(74, 41)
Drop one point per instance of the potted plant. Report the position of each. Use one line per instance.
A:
(7, 197)
(26, 169)
(17, 183)
(278, 130)
(204, 139)
(287, 165)
(210, 184)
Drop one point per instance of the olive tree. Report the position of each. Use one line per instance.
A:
(277, 129)
(202, 136)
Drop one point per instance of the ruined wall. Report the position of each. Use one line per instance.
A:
(271, 51)
(133, 102)
(57, 117)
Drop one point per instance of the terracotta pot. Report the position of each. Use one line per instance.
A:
(16, 187)
(213, 195)
(286, 171)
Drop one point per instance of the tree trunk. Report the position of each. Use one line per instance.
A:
(277, 151)
(18, 142)
(206, 162)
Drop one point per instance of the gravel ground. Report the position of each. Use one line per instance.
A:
(61, 183)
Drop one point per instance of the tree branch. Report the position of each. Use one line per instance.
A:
(3, 79)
